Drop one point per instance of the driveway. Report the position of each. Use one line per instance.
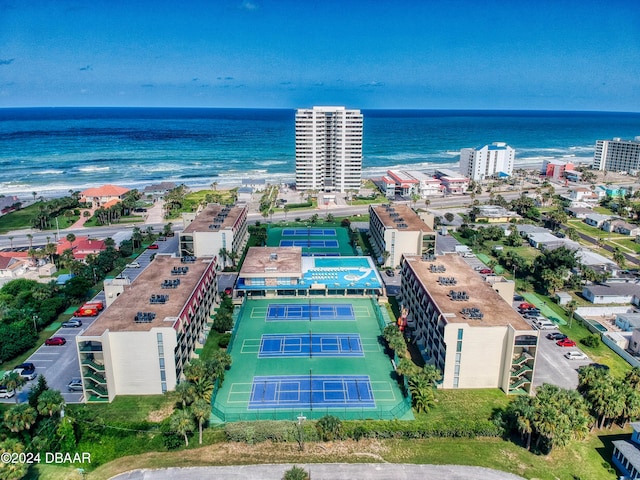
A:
(320, 471)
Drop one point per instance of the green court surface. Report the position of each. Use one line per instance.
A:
(232, 400)
(52, 327)
(544, 310)
(71, 310)
(276, 235)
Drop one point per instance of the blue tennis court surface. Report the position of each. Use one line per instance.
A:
(312, 345)
(310, 243)
(308, 391)
(316, 232)
(325, 311)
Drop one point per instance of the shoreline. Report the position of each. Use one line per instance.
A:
(25, 192)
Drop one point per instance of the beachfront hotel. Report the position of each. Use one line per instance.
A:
(214, 228)
(464, 326)
(328, 149)
(486, 161)
(398, 230)
(150, 329)
(617, 155)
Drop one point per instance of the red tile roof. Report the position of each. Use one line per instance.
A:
(105, 191)
(81, 246)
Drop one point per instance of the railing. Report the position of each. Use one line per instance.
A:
(521, 370)
(519, 383)
(522, 358)
(95, 378)
(97, 390)
(90, 363)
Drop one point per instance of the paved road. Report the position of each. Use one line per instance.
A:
(330, 471)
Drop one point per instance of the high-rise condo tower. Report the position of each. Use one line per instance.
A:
(328, 149)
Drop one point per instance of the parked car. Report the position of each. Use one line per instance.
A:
(132, 265)
(26, 371)
(529, 315)
(390, 273)
(4, 393)
(526, 306)
(153, 246)
(543, 324)
(228, 290)
(566, 342)
(55, 341)
(518, 298)
(556, 336)
(74, 323)
(162, 238)
(575, 355)
(75, 385)
(486, 271)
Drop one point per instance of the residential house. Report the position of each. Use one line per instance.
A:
(596, 219)
(628, 321)
(453, 182)
(12, 266)
(578, 212)
(621, 227)
(81, 247)
(613, 292)
(100, 196)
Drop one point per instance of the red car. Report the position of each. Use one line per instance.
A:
(566, 342)
(486, 271)
(526, 306)
(55, 341)
(153, 246)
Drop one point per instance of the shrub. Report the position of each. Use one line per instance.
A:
(329, 428)
(591, 341)
(222, 322)
(295, 473)
(223, 341)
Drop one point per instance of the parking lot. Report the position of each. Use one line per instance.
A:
(59, 363)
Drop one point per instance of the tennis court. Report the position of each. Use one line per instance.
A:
(273, 356)
(309, 312)
(313, 241)
(305, 232)
(311, 345)
(308, 391)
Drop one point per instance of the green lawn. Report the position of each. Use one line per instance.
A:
(19, 219)
(628, 243)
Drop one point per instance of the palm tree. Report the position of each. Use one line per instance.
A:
(35, 194)
(30, 238)
(201, 410)
(70, 237)
(136, 237)
(224, 253)
(50, 402)
(423, 397)
(182, 422)
(13, 381)
(571, 308)
(186, 391)
(21, 417)
(523, 411)
(11, 240)
(202, 389)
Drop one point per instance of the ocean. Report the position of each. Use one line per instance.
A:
(53, 150)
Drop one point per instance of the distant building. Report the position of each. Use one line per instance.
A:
(621, 227)
(216, 227)
(453, 183)
(596, 219)
(556, 169)
(102, 195)
(495, 214)
(12, 267)
(486, 161)
(613, 292)
(583, 194)
(464, 327)
(617, 155)
(398, 230)
(408, 183)
(328, 149)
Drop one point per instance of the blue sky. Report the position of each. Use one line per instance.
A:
(458, 54)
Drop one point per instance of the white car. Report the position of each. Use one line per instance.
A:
(575, 355)
(133, 265)
(4, 393)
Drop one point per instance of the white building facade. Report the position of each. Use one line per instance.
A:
(328, 149)
(482, 162)
(617, 155)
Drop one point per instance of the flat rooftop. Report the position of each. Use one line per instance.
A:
(119, 316)
(274, 261)
(390, 216)
(496, 311)
(214, 214)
